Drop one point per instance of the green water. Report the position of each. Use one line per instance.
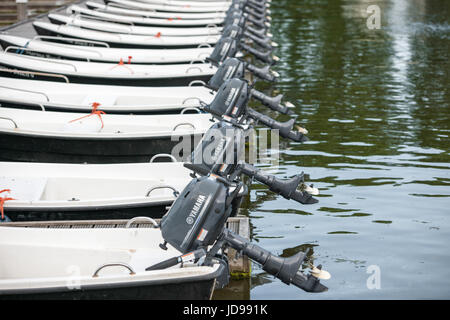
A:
(376, 104)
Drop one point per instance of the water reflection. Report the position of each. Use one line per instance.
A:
(377, 106)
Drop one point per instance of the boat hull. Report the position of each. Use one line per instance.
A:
(138, 82)
(87, 213)
(46, 32)
(68, 108)
(54, 149)
(195, 290)
(51, 52)
(152, 210)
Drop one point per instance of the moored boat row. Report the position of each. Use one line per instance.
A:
(89, 107)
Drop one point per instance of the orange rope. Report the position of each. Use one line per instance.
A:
(2, 202)
(121, 64)
(99, 113)
(158, 35)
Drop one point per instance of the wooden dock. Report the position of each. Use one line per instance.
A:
(240, 266)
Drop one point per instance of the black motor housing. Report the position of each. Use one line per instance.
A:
(220, 151)
(229, 69)
(225, 47)
(236, 18)
(230, 100)
(194, 217)
(233, 31)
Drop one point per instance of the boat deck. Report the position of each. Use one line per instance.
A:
(239, 265)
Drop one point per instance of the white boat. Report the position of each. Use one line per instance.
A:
(168, 7)
(112, 99)
(114, 27)
(143, 17)
(62, 191)
(47, 45)
(38, 136)
(121, 40)
(96, 263)
(121, 73)
(190, 3)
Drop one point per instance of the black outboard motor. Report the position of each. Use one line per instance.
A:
(225, 50)
(257, 9)
(196, 221)
(221, 152)
(228, 47)
(260, 36)
(236, 31)
(235, 68)
(258, 20)
(230, 103)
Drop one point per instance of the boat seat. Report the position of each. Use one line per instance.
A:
(24, 189)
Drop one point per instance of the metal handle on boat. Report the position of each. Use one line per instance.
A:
(29, 91)
(210, 27)
(175, 191)
(162, 155)
(192, 98)
(203, 45)
(190, 109)
(36, 73)
(141, 219)
(60, 62)
(6, 118)
(196, 60)
(115, 264)
(194, 67)
(35, 104)
(213, 38)
(199, 57)
(184, 123)
(72, 39)
(195, 82)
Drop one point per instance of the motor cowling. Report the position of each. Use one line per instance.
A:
(225, 47)
(235, 18)
(229, 69)
(230, 100)
(233, 31)
(220, 150)
(198, 215)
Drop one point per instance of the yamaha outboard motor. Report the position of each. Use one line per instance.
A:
(235, 31)
(258, 20)
(223, 52)
(235, 68)
(196, 221)
(254, 8)
(230, 103)
(228, 47)
(221, 152)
